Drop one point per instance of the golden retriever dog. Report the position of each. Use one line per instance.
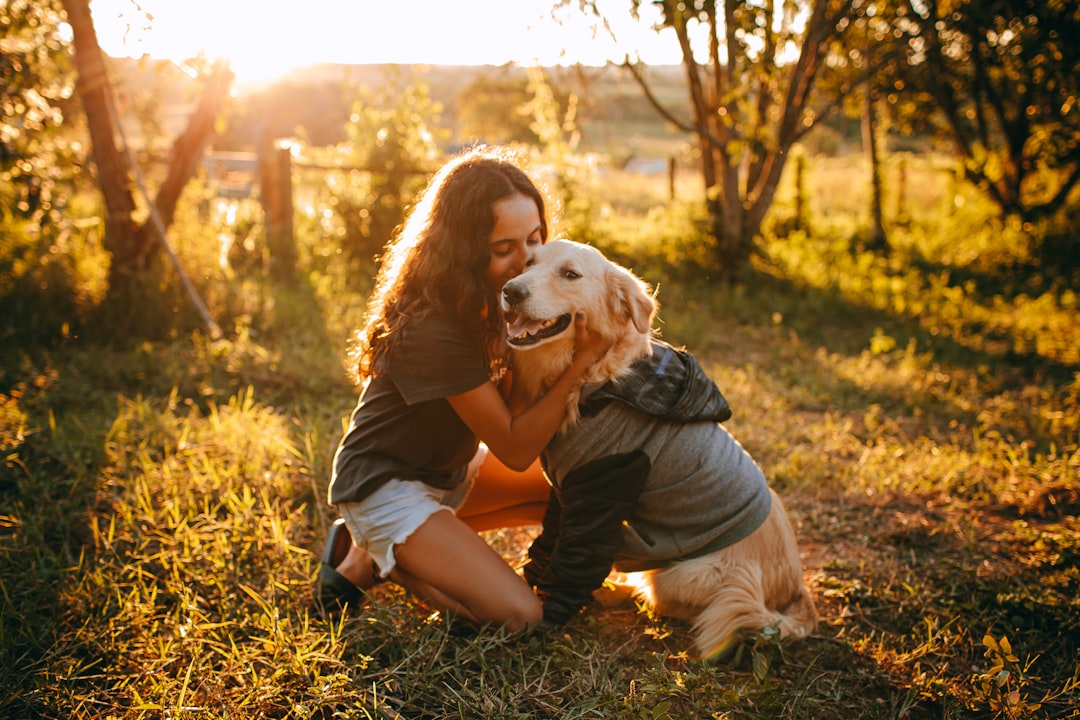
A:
(644, 478)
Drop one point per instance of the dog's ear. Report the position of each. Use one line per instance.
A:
(634, 299)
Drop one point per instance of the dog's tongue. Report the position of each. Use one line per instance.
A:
(518, 326)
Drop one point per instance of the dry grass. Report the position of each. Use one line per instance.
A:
(162, 504)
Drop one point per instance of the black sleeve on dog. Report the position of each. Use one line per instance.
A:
(596, 499)
(544, 544)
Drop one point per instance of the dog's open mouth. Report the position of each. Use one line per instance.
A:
(522, 331)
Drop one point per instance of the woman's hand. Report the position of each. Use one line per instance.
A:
(589, 346)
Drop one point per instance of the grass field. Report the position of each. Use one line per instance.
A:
(162, 501)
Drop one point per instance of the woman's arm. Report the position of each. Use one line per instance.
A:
(518, 439)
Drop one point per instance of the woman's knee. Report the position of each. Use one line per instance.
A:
(519, 614)
(507, 602)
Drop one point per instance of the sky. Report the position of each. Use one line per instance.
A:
(264, 39)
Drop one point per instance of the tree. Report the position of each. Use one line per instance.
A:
(133, 245)
(1005, 78)
(752, 75)
(489, 108)
(878, 236)
(35, 86)
(876, 42)
(394, 133)
(881, 44)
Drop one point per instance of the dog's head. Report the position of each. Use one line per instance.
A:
(561, 278)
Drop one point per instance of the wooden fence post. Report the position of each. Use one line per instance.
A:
(903, 219)
(802, 221)
(275, 190)
(671, 176)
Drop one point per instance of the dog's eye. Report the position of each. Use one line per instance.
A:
(570, 274)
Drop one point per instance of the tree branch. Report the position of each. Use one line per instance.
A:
(667, 114)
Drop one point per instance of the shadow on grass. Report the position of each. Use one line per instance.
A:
(61, 389)
(915, 583)
(814, 312)
(809, 321)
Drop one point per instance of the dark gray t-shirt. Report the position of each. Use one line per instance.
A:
(403, 427)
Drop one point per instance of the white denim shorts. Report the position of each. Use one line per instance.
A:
(387, 517)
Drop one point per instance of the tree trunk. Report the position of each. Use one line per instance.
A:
(878, 240)
(733, 246)
(113, 171)
(133, 247)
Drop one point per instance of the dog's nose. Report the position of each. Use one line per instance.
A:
(514, 292)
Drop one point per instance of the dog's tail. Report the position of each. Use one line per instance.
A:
(799, 618)
(738, 605)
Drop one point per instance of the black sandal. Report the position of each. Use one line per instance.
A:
(333, 591)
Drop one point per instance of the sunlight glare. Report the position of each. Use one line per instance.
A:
(254, 39)
(264, 41)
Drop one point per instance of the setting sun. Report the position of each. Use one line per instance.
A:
(263, 41)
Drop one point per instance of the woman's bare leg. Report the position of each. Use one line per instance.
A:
(502, 497)
(448, 565)
(499, 498)
(358, 568)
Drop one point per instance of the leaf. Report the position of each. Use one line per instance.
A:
(761, 667)
(1006, 646)
(661, 711)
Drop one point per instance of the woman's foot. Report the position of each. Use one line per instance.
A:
(345, 572)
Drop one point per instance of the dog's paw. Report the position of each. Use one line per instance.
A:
(610, 595)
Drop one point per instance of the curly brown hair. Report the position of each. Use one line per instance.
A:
(440, 257)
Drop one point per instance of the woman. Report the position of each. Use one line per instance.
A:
(432, 360)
